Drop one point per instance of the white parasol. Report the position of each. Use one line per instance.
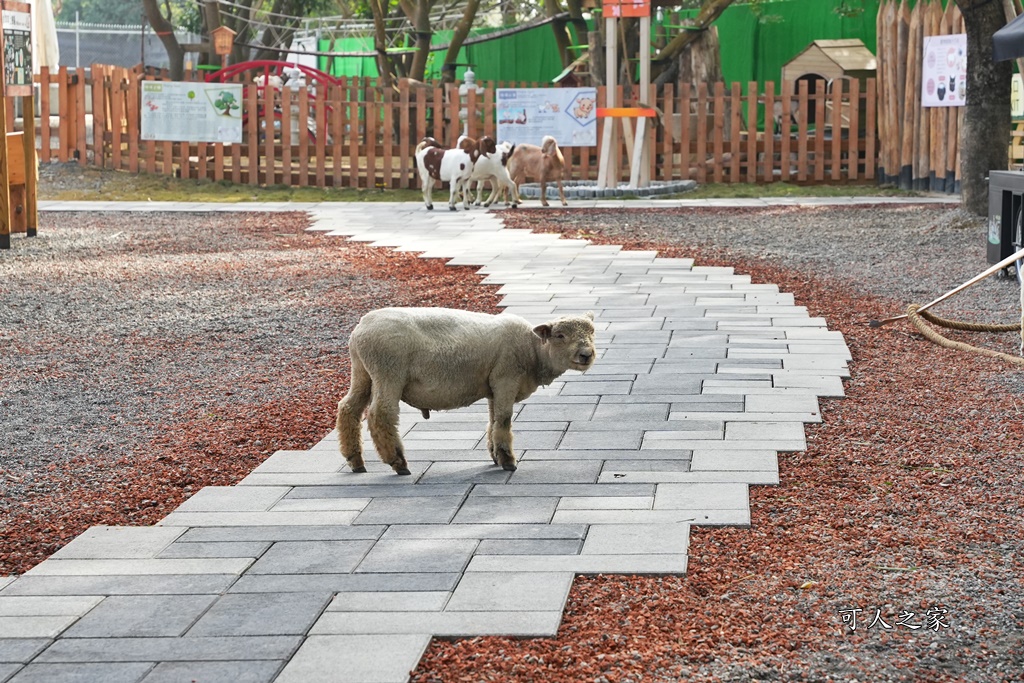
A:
(45, 51)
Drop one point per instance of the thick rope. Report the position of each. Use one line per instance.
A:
(917, 319)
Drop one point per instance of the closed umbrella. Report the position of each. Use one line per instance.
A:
(45, 51)
(1008, 42)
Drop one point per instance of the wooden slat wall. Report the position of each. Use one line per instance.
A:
(918, 147)
(354, 134)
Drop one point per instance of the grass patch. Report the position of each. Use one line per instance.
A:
(74, 183)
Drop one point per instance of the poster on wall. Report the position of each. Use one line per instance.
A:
(192, 112)
(944, 71)
(526, 115)
(16, 19)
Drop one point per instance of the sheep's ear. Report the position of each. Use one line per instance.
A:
(589, 314)
(543, 331)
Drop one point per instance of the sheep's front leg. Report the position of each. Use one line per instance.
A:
(499, 430)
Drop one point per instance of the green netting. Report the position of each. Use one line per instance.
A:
(753, 48)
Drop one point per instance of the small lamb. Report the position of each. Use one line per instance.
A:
(440, 359)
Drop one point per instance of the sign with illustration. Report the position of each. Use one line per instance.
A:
(526, 115)
(192, 112)
(16, 19)
(944, 72)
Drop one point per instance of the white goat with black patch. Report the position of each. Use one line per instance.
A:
(492, 168)
(440, 359)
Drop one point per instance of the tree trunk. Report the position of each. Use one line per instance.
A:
(385, 66)
(552, 8)
(709, 12)
(458, 37)
(985, 136)
(421, 24)
(165, 31)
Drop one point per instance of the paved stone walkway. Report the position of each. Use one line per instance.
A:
(305, 572)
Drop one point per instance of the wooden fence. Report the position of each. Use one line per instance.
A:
(357, 134)
(919, 146)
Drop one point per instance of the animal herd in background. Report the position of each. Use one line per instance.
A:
(503, 166)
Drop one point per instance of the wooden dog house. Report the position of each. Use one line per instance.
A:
(832, 61)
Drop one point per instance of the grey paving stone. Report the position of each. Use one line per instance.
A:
(118, 542)
(216, 549)
(315, 505)
(581, 564)
(747, 431)
(702, 516)
(615, 412)
(633, 539)
(338, 583)
(46, 605)
(418, 555)
(34, 626)
(7, 670)
(441, 624)
(188, 584)
(196, 649)
(272, 518)
(735, 460)
(557, 472)
(601, 440)
(233, 499)
(126, 616)
(507, 591)
(282, 533)
(397, 601)
(719, 476)
(473, 472)
(653, 465)
(560, 412)
(113, 672)
(506, 510)
(248, 614)
(21, 650)
(303, 461)
(595, 388)
(419, 490)
(558, 490)
(385, 658)
(542, 546)
(311, 557)
(531, 439)
(695, 496)
(139, 567)
(429, 510)
(211, 672)
(487, 531)
(606, 503)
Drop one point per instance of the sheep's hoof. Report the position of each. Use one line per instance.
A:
(508, 466)
(402, 470)
(452, 208)
(430, 207)
(359, 470)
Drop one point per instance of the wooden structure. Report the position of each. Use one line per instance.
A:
(18, 205)
(919, 147)
(372, 130)
(831, 59)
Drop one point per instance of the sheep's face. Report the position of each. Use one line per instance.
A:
(569, 341)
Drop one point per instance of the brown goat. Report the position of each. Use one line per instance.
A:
(544, 163)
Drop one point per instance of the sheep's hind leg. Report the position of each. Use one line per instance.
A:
(350, 415)
(383, 423)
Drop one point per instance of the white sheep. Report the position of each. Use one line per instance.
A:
(493, 168)
(439, 359)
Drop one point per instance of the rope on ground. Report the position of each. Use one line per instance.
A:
(918, 320)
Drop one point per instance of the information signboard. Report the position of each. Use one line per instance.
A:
(944, 71)
(526, 115)
(192, 112)
(16, 19)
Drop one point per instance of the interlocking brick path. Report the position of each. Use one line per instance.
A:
(305, 572)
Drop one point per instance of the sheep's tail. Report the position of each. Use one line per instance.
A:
(550, 146)
(424, 143)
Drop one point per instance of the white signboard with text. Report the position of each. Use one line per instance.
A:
(526, 115)
(944, 71)
(192, 112)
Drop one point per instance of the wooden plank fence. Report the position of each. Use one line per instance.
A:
(919, 146)
(358, 134)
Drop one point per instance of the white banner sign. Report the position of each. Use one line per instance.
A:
(526, 115)
(944, 72)
(192, 112)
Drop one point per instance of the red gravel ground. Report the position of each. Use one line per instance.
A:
(906, 500)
